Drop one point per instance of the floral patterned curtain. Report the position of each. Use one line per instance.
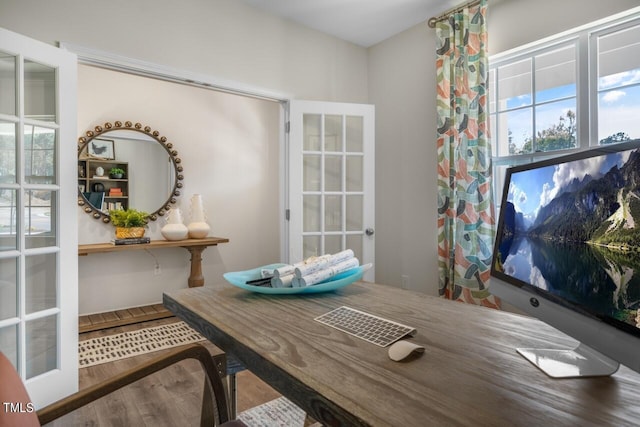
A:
(465, 206)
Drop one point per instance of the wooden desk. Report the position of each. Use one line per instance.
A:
(194, 246)
(470, 373)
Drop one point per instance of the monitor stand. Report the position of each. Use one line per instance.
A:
(580, 362)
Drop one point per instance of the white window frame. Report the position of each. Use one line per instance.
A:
(585, 38)
(531, 54)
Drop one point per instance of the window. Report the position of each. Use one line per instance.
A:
(566, 93)
(618, 83)
(533, 102)
(39, 160)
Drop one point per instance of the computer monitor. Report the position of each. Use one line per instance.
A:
(567, 251)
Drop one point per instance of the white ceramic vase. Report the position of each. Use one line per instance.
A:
(198, 227)
(174, 229)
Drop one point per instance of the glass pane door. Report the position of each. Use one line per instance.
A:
(331, 184)
(38, 315)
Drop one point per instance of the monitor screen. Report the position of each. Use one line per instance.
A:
(569, 233)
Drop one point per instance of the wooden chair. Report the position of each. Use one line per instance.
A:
(215, 408)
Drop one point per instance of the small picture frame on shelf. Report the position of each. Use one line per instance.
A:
(81, 188)
(102, 148)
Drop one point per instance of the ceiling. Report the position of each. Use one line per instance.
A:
(363, 22)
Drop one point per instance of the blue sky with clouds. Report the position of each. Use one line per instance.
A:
(618, 108)
(533, 188)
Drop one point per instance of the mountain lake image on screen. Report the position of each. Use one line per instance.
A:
(568, 252)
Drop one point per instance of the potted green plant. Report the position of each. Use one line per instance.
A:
(116, 173)
(129, 223)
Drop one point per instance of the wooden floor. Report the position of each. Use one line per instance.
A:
(169, 398)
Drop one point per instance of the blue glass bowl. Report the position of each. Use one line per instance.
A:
(240, 278)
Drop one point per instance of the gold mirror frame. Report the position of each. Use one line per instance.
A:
(83, 142)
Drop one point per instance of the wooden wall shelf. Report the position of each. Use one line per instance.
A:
(194, 246)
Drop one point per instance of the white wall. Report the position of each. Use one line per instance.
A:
(402, 82)
(229, 147)
(229, 40)
(513, 23)
(228, 144)
(222, 38)
(402, 87)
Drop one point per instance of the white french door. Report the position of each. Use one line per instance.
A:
(331, 180)
(38, 227)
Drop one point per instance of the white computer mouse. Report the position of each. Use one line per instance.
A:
(403, 349)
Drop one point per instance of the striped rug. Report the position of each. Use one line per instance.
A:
(109, 348)
(280, 412)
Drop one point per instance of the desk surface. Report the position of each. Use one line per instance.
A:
(470, 373)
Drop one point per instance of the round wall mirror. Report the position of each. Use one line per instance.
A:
(126, 165)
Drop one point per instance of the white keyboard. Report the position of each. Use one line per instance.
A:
(368, 327)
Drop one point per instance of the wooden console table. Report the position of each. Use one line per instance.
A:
(194, 246)
(156, 311)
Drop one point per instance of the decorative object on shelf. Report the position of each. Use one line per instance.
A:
(131, 240)
(93, 149)
(129, 232)
(98, 187)
(198, 227)
(116, 173)
(241, 279)
(102, 148)
(100, 171)
(174, 229)
(129, 224)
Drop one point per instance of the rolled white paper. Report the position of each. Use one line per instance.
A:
(313, 278)
(323, 262)
(342, 256)
(283, 271)
(266, 272)
(327, 273)
(305, 270)
(282, 282)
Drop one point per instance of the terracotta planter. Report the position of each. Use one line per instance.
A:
(129, 232)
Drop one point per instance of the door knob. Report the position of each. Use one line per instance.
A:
(369, 231)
